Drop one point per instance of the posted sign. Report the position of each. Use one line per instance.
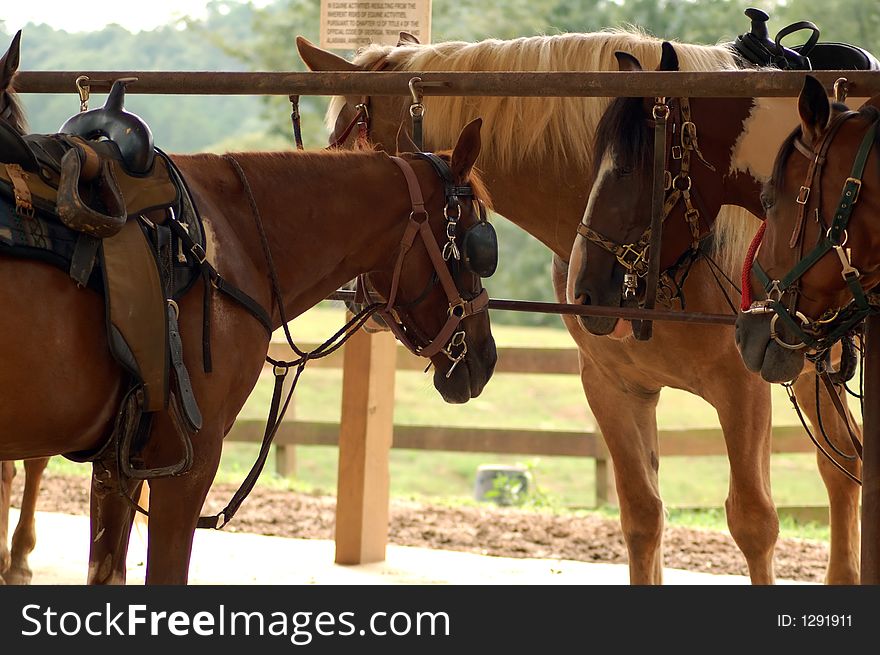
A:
(350, 24)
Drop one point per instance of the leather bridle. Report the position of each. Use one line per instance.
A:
(449, 337)
(821, 333)
(635, 256)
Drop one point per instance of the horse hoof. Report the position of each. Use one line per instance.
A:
(18, 576)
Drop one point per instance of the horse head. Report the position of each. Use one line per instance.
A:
(610, 256)
(818, 253)
(440, 307)
(358, 120)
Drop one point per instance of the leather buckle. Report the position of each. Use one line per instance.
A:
(802, 196)
(199, 253)
(858, 187)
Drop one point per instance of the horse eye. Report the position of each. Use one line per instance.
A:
(625, 171)
(768, 200)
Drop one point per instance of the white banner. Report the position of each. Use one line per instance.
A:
(350, 24)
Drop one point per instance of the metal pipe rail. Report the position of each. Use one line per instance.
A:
(523, 84)
(627, 313)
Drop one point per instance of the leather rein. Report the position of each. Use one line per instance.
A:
(446, 340)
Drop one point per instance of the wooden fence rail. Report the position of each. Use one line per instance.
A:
(693, 442)
(484, 83)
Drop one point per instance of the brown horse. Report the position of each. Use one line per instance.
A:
(14, 567)
(723, 158)
(538, 165)
(327, 217)
(818, 254)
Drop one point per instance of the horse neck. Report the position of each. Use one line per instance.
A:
(328, 217)
(12, 111)
(540, 198)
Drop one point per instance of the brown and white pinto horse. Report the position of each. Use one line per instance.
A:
(327, 217)
(538, 163)
(819, 251)
(14, 568)
(724, 158)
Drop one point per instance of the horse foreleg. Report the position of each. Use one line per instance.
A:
(745, 419)
(7, 472)
(628, 424)
(175, 505)
(843, 493)
(24, 539)
(111, 519)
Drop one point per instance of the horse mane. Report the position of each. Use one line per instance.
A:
(530, 128)
(318, 162)
(556, 129)
(624, 130)
(11, 99)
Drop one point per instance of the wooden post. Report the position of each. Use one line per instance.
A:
(365, 435)
(285, 454)
(870, 571)
(285, 461)
(606, 488)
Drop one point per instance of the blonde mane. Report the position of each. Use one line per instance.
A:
(520, 130)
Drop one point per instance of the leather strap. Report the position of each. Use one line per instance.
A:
(295, 121)
(24, 205)
(841, 410)
(458, 307)
(186, 396)
(814, 171)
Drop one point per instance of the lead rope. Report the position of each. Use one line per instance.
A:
(280, 368)
(267, 251)
(277, 412)
(295, 121)
(797, 409)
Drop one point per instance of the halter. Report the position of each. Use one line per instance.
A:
(819, 334)
(635, 256)
(361, 118)
(449, 337)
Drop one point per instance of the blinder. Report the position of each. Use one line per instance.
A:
(477, 248)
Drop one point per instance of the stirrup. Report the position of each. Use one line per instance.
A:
(77, 214)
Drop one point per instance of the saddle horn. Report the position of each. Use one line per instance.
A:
(127, 130)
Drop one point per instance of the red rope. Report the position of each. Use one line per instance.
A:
(747, 268)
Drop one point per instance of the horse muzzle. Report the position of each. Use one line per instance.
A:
(764, 354)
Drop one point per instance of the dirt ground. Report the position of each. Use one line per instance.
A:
(487, 530)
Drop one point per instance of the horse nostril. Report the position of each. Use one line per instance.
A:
(582, 297)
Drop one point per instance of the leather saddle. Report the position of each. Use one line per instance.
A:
(756, 47)
(97, 171)
(100, 185)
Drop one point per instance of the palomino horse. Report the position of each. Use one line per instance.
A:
(817, 255)
(538, 165)
(327, 217)
(14, 567)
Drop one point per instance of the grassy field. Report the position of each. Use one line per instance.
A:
(547, 402)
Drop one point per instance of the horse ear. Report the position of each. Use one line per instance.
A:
(814, 109)
(408, 39)
(321, 60)
(467, 149)
(10, 60)
(404, 142)
(626, 63)
(668, 58)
